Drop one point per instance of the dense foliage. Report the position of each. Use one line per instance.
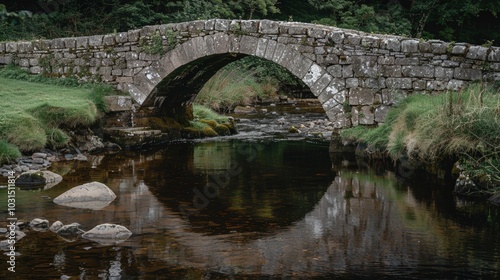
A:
(473, 21)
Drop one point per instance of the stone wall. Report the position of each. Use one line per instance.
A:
(356, 76)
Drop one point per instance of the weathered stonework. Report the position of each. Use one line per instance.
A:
(343, 68)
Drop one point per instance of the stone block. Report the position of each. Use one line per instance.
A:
(467, 74)
(391, 96)
(25, 47)
(335, 70)
(477, 52)
(407, 61)
(121, 37)
(424, 47)
(393, 71)
(365, 66)
(133, 35)
(443, 73)
(418, 71)
(409, 46)
(34, 62)
(436, 85)
(109, 40)
(2, 47)
(352, 39)
(118, 103)
(297, 30)
(352, 83)
(361, 96)
(300, 65)
(269, 27)
(419, 85)
(222, 24)
(69, 43)
(95, 41)
(386, 60)
(337, 37)
(249, 45)
(381, 112)
(11, 47)
(363, 115)
(249, 26)
(439, 47)
(58, 43)
(370, 42)
(455, 85)
(318, 87)
(316, 33)
(210, 25)
(347, 71)
(391, 44)
(261, 47)
(494, 54)
(459, 49)
(375, 83)
(398, 83)
(314, 73)
(82, 42)
(23, 62)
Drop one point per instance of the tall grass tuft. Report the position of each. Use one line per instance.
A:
(8, 152)
(234, 86)
(464, 124)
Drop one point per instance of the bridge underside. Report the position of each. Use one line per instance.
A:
(182, 85)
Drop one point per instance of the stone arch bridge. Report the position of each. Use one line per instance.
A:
(356, 76)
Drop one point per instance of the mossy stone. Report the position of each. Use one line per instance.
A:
(211, 123)
(31, 180)
(209, 132)
(222, 130)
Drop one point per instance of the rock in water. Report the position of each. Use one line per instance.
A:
(108, 234)
(33, 178)
(93, 196)
(56, 226)
(39, 224)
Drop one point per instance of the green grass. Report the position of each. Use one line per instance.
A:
(465, 124)
(231, 87)
(36, 110)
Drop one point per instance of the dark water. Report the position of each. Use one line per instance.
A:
(257, 210)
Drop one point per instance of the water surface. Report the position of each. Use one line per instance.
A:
(258, 209)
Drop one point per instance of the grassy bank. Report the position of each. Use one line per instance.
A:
(36, 111)
(462, 124)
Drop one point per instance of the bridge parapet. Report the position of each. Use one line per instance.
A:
(356, 76)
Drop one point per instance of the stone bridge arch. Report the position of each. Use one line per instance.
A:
(181, 73)
(355, 75)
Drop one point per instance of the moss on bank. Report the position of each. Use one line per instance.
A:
(208, 123)
(464, 124)
(36, 110)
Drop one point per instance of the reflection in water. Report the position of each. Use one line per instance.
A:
(279, 212)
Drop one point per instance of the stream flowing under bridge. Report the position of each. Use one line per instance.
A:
(356, 76)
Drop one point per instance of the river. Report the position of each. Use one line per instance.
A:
(257, 206)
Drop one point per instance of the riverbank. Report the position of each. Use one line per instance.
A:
(463, 127)
(64, 119)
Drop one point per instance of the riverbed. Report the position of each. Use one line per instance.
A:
(264, 204)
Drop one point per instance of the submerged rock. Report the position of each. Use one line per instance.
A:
(108, 234)
(93, 196)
